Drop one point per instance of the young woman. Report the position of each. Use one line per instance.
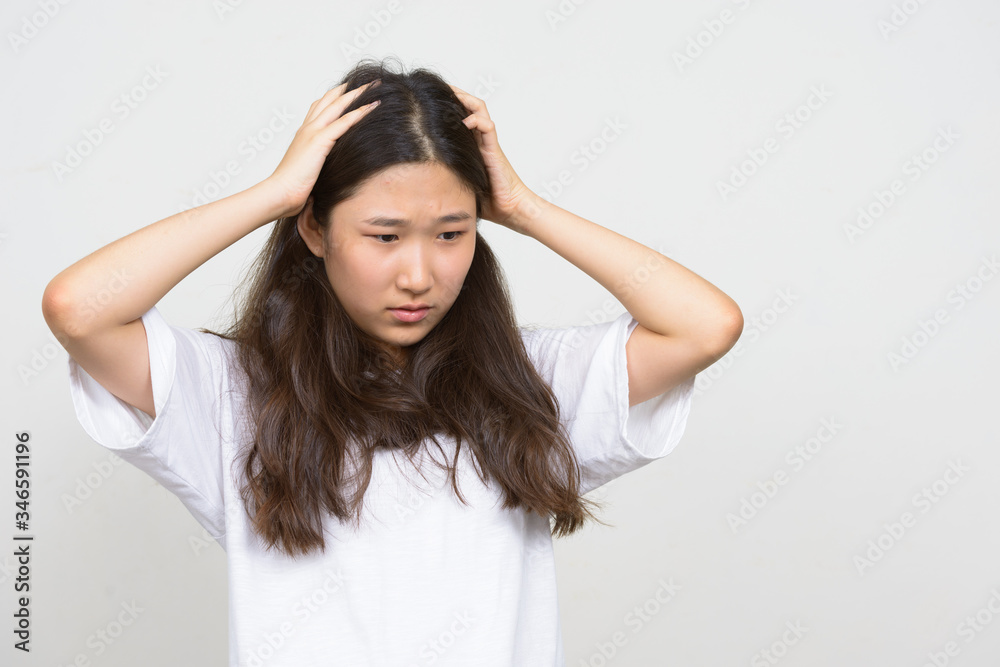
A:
(381, 450)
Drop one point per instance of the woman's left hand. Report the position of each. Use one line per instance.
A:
(511, 197)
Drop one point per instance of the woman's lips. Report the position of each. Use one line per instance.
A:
(404, 315)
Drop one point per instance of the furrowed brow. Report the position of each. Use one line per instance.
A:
(381, 221)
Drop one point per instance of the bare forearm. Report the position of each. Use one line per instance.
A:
(660, 294)
(116, 284)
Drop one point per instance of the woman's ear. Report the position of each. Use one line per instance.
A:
(309, 229)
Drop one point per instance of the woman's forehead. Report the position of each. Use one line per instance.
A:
(403, 194)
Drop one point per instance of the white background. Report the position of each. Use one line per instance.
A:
(894, 76)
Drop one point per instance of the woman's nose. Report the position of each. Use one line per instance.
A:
(415, 273)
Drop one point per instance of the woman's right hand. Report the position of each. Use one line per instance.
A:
(298, 170)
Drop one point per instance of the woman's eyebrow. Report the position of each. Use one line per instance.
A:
(381, 221)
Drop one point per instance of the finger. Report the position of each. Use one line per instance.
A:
(468, 100)
(336, 110)
(336, 98)
(323, 100)
(341, 124)
(487, 130)
(333, 108)
(480, 121)
(472, 103)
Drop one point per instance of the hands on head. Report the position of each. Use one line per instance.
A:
(326, 122)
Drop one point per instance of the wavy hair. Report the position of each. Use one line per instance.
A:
(322, 395)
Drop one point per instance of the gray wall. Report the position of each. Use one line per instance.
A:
(812, 487)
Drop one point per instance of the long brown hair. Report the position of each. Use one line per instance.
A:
(322, 394)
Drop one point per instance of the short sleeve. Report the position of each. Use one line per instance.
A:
(587, 368)
(181, 448)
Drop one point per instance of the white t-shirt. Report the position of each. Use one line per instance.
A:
(427, 580)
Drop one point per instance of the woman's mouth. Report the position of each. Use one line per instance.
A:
(404, 315)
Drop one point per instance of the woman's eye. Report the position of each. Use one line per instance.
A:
(382, 236)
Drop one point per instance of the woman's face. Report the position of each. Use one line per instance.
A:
(407, 237)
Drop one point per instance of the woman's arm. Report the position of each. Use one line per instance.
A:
(116, 284)
(685, 322)
(95, 306)
(133, 273)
